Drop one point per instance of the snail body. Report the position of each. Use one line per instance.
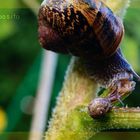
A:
(83, 28)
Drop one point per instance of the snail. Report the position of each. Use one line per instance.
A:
(98, 107)
(82, 28)
(88, 29)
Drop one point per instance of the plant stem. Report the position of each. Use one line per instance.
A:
(80, 126)
(43, 96)
(77, 90)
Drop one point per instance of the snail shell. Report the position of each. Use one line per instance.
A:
(99, 107)
(83, 28)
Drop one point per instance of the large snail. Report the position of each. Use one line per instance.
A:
(90, 30)
(81, 27)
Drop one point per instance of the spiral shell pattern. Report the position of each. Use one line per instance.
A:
(83, 28)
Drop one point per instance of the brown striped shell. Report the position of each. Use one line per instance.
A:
(83, 28)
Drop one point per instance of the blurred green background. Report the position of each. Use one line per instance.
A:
(20, 63)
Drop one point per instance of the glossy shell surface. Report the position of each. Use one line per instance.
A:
(83, 28)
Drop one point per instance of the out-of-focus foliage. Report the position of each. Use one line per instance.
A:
(131, 42)
(3, 120)
(20, 60)
(131, 45)
(19, 48)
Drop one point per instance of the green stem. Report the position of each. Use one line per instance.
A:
(118, 118)
(77, 90)
(79, 125)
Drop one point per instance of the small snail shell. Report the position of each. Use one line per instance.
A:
(99, 107)
(83, 28)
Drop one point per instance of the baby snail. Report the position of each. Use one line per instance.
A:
(99, 107)
(89, 30)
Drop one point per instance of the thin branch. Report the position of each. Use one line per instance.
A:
(43, 95)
